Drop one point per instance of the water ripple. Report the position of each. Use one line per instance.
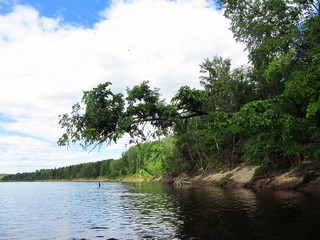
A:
(82, 211)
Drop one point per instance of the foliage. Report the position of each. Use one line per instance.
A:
(102, 116)
(150, 159)
(267, 113)
(282, 37)
(225, 180)
(2, 175)
(261, 171)
(98, 123)
(80, 171)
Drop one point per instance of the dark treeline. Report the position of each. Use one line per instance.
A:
(85, 170)
(2, 175)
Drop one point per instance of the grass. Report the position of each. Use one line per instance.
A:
(225, 180)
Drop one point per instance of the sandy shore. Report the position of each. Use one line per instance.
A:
(244, 176)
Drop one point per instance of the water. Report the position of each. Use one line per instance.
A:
(77, 211)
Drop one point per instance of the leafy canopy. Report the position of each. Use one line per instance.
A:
(103, 116)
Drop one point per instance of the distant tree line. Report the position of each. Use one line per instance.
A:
(2, 175)
(85, 170)
(151, 159)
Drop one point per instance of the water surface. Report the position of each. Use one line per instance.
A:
(152, 211)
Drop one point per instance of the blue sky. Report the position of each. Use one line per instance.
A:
(79, 12)
(53, 50)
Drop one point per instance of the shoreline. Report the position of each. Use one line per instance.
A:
(243, 176)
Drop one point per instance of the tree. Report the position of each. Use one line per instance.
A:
(199, 119)
(283, 39)
(100, 121)
(227, 89)
(103, 117)
(271, 29)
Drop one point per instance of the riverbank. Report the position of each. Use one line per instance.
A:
(305, 177)
(254, 178)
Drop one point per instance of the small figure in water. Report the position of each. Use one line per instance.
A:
(99, 184)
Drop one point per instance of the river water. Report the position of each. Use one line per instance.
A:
(82, 210)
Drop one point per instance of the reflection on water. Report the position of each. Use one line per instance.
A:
(153, 211)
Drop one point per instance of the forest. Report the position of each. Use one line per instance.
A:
(266, 113)
(149, 160)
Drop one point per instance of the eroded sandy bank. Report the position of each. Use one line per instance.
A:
(245, 176)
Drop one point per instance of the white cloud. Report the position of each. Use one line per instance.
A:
(27, 154)
(45, 65)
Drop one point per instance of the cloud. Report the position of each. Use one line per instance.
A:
(46, 65)
(27, 154)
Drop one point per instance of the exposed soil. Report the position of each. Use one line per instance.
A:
(244, 176)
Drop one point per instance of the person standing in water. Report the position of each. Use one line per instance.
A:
(99, 184)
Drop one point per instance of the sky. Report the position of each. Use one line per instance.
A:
(53, 50)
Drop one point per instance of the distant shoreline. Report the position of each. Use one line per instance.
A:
(243, 176)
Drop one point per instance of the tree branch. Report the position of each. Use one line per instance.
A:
(196, 114)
